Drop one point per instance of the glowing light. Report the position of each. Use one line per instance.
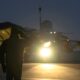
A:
(51, 32)
(45, 52)
(47, 44)
(47, 66)
(54, 32)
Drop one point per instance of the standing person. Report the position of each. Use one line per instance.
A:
(14, 55)
(2, 57)
(3, 28)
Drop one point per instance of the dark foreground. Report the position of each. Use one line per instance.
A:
(41, 71)
(63, 67)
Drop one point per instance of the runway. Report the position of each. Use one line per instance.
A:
(41, 71)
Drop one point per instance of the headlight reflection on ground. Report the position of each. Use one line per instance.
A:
(45, 71)
(47, 67)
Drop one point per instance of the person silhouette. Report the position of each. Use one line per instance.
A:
(2, 46)
(14, 54)
(2, 57)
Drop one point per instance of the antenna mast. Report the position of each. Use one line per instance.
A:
(40, 10)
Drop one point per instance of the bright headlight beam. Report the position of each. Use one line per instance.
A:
(45, 52)
(47, 44)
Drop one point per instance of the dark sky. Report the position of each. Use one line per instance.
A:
(64, 14)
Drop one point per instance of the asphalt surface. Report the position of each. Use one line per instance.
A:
(41, 71)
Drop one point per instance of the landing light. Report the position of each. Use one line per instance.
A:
(47, 44)
(45, 52)
(54, 32)
(51, 32)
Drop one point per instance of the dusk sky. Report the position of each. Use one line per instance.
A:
(64, 14)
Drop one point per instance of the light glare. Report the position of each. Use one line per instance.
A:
(47, 67)
(45, 52)
(47, 44)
